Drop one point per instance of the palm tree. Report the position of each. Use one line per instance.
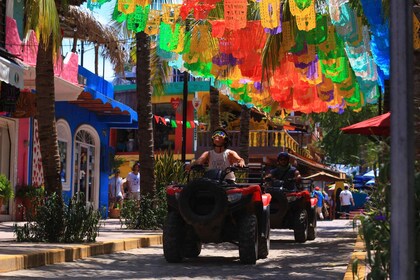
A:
(42, 16)
(214, 108)
(144, 112)
(244, 134)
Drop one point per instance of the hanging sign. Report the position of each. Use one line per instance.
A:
(175, 103)
(235, 14)
(196, 102)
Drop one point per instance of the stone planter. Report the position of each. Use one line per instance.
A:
(114, 213)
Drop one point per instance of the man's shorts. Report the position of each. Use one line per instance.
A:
(135, 195)
(116, 198)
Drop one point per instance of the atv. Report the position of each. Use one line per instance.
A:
(208, 209)
(292, 207)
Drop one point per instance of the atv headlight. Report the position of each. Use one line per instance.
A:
(291, 198)
(233, 197)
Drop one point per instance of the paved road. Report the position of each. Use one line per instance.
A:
(326, 257)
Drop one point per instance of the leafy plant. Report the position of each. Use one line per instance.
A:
(29, 191)
(153, 208)
(80, 222)
(6, 190)
(375, 221)
(130, 213)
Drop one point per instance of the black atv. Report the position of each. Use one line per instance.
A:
(210, 210)
(292, 207)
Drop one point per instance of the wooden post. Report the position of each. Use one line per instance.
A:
(402, 141)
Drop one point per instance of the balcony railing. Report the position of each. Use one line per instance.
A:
(261, 142)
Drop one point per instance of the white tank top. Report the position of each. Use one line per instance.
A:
(220, 161)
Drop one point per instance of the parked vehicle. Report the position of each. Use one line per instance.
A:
(292, 208)
(210, 210)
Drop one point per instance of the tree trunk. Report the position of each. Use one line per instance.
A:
(244, 134)
(44, 83)
(45, 114)
(96, 58)
(214, 108)
(144, 112)
(74, 47)
(417, 104)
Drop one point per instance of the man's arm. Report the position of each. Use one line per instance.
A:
(297, 176)
(203, 159)
(235, 158)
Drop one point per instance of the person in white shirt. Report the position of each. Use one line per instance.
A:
(116, 190)
(133, 182)
(346, 199)
(220, 157)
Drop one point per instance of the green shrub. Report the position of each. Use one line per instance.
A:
(153, 208)
(6, 190)
(130, 214)
(56, 222)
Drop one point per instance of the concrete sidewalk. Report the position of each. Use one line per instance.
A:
(112, 238)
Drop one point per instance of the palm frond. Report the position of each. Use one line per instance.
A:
(42, 17)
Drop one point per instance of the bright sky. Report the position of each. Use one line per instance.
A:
(104, 16)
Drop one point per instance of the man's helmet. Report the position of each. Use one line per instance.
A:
(283, 155)
(221, 132)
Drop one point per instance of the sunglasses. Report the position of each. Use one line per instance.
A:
(219, 134)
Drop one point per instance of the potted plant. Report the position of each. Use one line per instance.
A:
(6, 190)
(31, 196)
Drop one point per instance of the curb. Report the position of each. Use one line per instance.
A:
(359, 254)
(74, 252)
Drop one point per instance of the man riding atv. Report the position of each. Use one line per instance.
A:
(221, 157)
(285, 171)
(212, 208)
(291, 206)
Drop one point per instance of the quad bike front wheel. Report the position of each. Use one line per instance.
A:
(264, 244)
(312, 226)
(173, 238)
(264, 241)
(301, 226)
(192, 244)
(248, 239)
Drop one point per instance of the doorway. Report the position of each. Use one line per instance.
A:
(86, 164)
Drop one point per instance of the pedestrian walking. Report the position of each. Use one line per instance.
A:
(320, 203)
(346, 200)
(133, 182)
(116, 190)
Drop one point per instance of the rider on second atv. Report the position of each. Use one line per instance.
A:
(220, 157)
(285, 171)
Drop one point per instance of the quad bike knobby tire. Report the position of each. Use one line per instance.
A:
(248, 239)
(192, 244)
(312, 228)
(301, 226)
(173, 238)
(264, 242)
(202, 202)
(264, 245)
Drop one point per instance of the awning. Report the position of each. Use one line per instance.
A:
(11, 72)
(64, 90)
(116, 114)
(323, 176)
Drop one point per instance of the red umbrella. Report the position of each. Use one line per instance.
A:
(378, 125)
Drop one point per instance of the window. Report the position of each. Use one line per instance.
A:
(64, 148)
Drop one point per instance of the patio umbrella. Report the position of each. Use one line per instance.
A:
(378, 125)
(322, 176)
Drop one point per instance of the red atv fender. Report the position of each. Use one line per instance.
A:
(314, 202)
